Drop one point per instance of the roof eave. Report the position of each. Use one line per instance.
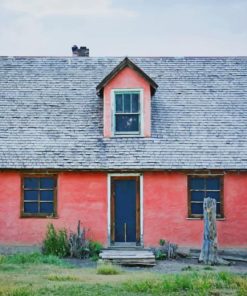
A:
(126, 62)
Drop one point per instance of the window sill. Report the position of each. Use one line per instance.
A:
(201, 218)
(23, 216)
(127, 136)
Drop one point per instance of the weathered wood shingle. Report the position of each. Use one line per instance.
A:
(52, 118)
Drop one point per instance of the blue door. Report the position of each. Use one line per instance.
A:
(126, 209)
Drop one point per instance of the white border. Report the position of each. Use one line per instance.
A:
(109, 176)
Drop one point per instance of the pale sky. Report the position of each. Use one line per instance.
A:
(124, 27)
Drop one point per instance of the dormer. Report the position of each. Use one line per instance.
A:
(127, 92)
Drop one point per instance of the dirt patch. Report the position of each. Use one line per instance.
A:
(170, 266)
(84, 263)
(180, 265)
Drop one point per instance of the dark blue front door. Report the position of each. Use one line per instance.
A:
(125, 193)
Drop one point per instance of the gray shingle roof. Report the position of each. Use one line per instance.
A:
(51, 116)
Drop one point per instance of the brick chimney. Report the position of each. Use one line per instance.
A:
(83, 51)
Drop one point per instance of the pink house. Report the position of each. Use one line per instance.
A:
(129, 146)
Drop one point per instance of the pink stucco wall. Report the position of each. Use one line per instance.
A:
(166, 210)
(126, 79)
(83, 196)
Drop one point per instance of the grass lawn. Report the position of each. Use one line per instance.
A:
(31, 275)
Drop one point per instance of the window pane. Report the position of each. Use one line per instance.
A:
(119, 103)
(213, 194)
(197, 195)
(218, 209)
(126, 103)
(213, 183)
(32, 183)
(197, 183)
(127, 123)
(31, 207)
(46, 207)
(197, 208)
(135, 102)
(46, 195)
(31, 195)
(47, 183)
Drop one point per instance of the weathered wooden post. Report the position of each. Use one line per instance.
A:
(209, 249)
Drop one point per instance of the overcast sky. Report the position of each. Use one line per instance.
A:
(124, 27)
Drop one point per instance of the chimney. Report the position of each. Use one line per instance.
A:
(83, 51)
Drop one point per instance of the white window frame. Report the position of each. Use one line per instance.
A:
(113, 108)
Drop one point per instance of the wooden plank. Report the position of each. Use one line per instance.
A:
(125, 256)
(128, 253)
(133, 262)
(131, 258)
(128, 260)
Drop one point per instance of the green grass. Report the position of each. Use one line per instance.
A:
(16, 292)
(208, 268)
(38, 275)
(31, 258)
(62, 278)
(108, 269)
(192, 284)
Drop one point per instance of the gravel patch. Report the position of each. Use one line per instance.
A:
(169, 266)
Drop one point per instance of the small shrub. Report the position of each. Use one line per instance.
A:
(108, 269)
(56, 242)
(159, 255)
(78, 244)
(62, 278)
(162, 242)
(95, 258)
(166, 250)
(94, 249)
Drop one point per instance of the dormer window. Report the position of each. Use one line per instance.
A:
(127, 112)
(127, 91)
